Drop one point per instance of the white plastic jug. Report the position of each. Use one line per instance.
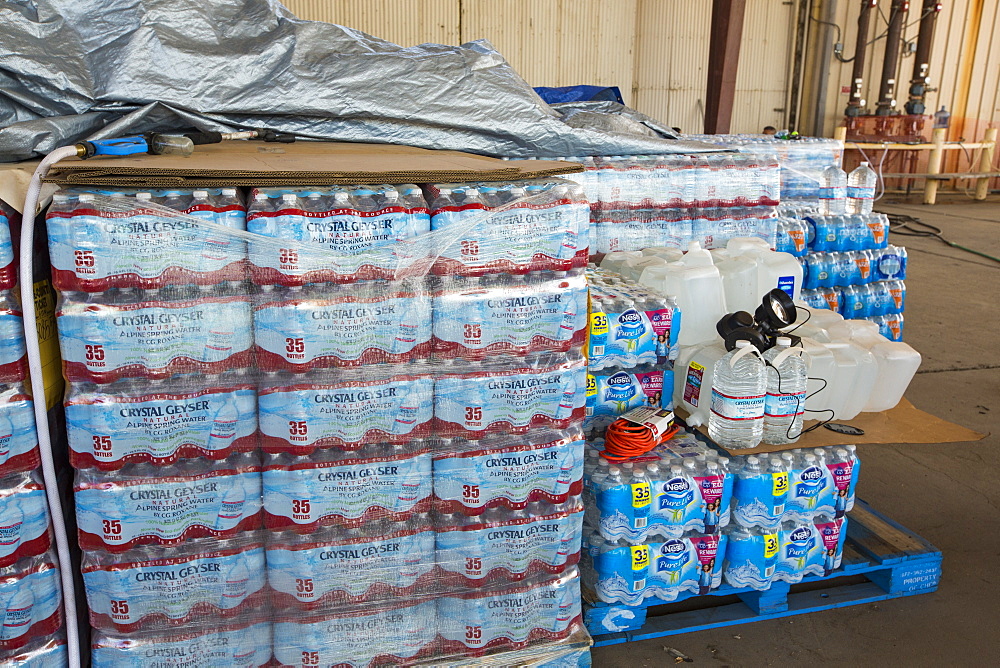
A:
(633, 267)
(853, 379)
(778, 270)
(897, 362)
(614, 260)
(822, 370)
(666, 252)
(699, 296)
(769, 270)
(739, 282)
(693, 380)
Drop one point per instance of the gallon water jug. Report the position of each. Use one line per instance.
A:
(697, 284)
(668, 253)
(774, 270)
(853, 380)
(633, 267)
(693, 380)
(822, 370)
(614, 260)
(897, 362)
(739, 281)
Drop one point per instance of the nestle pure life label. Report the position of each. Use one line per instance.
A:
(760, 499)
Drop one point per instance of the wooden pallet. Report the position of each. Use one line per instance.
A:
(882, 560)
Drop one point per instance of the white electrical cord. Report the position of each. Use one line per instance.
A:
(38, 393)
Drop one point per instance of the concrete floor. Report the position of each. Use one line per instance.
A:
(949, 493)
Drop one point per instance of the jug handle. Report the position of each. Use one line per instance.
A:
(749, 350)
(780, 357)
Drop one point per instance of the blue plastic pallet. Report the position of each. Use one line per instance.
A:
(894, 561)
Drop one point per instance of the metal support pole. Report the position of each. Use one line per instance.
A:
(854, 104)
(934, 165)
(723, 59)
(921, 59)
(887, 87)
(985, 162)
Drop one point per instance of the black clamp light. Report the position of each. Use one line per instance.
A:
(775, 312)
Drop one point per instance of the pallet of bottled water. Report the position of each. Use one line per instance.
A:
(669, 200)
(684, 518)
(30, 586)
(631, 343)
(848, 265)
(348, 434)
(802, 160)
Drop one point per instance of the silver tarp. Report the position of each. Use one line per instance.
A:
(72, 70)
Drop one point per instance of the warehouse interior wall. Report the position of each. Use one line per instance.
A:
(656, 51)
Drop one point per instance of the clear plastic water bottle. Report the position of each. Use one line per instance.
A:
(861, 189)
(738, 391)
(786, 393)
(833, 191)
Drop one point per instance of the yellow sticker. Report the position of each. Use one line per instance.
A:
(770, 545)
(598, 324)
(591, 386)
(696, 366)
(640, 557)
(780, 483)
(640, 494)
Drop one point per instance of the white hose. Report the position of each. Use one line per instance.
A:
(38, 392)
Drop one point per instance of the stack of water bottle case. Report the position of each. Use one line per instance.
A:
(642, 201)
(30, 589)
(848, 264)
(303, 448)
(685, 517)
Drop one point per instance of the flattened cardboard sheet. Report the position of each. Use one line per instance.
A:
(903, 424)
(301, 163)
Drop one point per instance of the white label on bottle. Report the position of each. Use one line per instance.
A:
(737, 408)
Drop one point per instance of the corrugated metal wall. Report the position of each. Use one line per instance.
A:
(657, 50)
(964, 67)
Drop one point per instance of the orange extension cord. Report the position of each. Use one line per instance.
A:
(625, 440)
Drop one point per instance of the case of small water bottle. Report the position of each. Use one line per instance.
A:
(631, 343)
(849, 265)
(327, 426)
(30, 587)
(670, 200)
(685, 518)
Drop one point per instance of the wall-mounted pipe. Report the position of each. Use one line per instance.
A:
(921, 60)
(855, 102)
(887, 86)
